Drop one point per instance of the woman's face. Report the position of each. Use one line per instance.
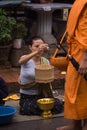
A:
(36, 44)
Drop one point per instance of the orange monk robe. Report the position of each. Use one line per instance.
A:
(76, 86)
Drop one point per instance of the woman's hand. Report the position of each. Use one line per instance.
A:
(43, 47)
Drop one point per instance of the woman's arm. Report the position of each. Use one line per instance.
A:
(27, 57)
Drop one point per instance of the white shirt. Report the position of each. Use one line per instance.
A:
(27, 75)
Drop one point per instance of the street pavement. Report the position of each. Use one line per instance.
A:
(22, 122)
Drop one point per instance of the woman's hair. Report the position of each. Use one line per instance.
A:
(30, 41)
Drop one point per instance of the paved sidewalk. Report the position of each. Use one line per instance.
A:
(22, 122)
(19, 118)
(47, 124)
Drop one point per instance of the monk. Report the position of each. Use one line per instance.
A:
(75, 107)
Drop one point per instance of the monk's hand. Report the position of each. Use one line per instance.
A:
(83, 65)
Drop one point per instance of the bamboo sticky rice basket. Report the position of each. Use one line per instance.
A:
(44, 73)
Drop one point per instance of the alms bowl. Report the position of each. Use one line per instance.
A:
(46, 103)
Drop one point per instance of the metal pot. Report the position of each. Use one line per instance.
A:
(18, 43)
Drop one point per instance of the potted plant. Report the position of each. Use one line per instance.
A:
(6, 26)
(19, 33)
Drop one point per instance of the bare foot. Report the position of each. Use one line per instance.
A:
(65, 128)
(84, 128)
(68, 128)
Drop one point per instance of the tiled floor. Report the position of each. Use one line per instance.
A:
(10, 74)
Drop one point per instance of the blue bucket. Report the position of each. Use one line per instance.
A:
(6, 114)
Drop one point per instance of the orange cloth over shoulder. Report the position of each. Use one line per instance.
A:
(74, 15)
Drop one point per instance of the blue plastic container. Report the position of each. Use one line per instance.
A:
(6, 114)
